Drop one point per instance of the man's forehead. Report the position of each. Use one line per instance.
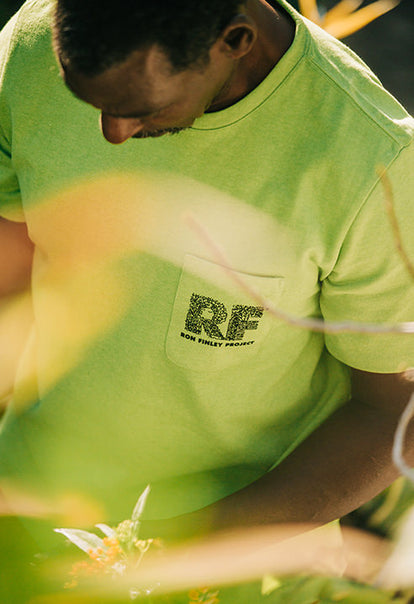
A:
(148, 62)
(145, 78)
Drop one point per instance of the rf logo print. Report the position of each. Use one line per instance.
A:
(208, 317)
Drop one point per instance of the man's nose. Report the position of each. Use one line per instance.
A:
(117, 130)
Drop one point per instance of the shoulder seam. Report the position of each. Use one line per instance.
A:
(358, 105)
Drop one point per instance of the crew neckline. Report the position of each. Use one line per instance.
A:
(255, 98)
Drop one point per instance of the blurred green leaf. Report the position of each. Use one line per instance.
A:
(140, 505)
(138, 511)
(107, 530)
(82, 539)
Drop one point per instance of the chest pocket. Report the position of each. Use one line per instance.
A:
(216, 322)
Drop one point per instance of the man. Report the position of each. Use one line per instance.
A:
(247, 179)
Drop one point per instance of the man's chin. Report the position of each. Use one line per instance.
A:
(157, 133)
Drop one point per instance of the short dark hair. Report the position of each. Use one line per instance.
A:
(93, 35)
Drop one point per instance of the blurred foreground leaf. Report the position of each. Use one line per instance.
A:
(345, 18)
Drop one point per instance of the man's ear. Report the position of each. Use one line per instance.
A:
(239, 36)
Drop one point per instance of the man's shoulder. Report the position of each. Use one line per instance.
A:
(339, 91)
(26, 42)
(356, 88)
(34, 15)
(28, 27)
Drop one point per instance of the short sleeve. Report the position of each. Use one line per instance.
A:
(10, 199)
(370, 282)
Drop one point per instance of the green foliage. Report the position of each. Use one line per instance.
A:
(383, 514)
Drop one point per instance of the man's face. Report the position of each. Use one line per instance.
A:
(142, 97)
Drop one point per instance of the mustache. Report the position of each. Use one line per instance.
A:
(157, 133)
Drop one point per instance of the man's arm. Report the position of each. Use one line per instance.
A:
(16, 253)
(344, 463)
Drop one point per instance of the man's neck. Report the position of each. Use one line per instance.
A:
(276, 31)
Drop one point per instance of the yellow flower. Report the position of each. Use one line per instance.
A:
(203, 595)
(346, 17)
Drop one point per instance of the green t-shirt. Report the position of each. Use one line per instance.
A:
(148, 361)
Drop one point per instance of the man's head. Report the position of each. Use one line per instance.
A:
(150, 66)
(96, 34)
